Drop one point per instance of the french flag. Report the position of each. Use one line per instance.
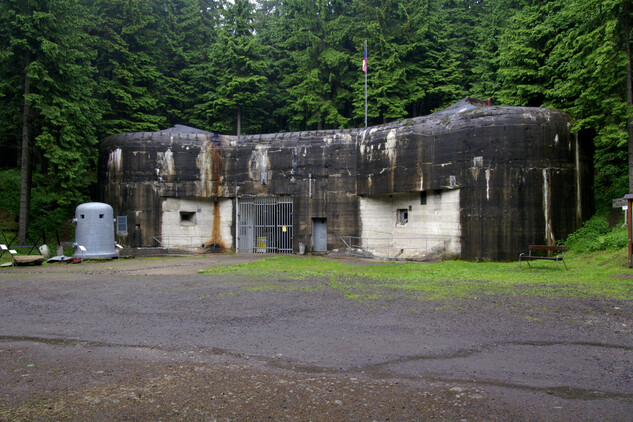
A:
(365, 62)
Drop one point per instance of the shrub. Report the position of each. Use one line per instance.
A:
(595, 235)
(46, 213)
(9, 199)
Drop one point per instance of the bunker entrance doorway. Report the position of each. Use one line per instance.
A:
(319, 235)
(265, 225)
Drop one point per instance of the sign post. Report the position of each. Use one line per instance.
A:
(629, 198)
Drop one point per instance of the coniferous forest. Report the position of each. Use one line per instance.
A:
(75, 71)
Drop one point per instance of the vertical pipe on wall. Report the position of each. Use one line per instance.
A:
(549, 234)
(578, 187)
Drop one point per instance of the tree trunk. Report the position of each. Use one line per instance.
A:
(239, 122)
(25, 163)
(629, 88)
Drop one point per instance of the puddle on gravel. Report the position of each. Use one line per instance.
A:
(214, 351)
(386, 370)
(563, 392)
(55, 341)
(483, 348)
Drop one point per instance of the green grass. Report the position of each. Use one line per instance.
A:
(5, 258)
(600, 274)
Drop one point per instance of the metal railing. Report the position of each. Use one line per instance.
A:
(422, 247)
(183, 243)
(9, 239)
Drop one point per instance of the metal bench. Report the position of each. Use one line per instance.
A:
(558, 250)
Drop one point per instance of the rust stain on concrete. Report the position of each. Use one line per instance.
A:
(212, 186)
(210, 164)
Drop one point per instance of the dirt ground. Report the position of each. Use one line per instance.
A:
(152, 339)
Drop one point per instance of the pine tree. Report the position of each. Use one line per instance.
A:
(443, 62)
(316, 81)
(525, 44)
(186, 29)
(46, 70)
(396, 33)
(491, 21)
(200, 75)
(269, 30)
(128, 80)
(238, 80)
(587, 76)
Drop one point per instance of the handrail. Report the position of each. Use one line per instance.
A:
(10, 243)
(183, 242)
(394, 247)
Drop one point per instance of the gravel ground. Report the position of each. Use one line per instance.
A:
(152, 339)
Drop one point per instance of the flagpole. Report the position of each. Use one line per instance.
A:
(365, 69)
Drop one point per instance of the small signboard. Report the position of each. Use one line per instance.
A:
(620, 203)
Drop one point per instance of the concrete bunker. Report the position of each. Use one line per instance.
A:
(196, 223)
(412, 225)
(474, 181)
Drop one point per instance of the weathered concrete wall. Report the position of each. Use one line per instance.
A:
(318, 169)
(524, 178)
(433, 224)
(192, 222)
(139, 170)
(517, 175)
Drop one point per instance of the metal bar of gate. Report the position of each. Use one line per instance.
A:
(282, 229)
(285, 229)
(266, 225)
(271, 246)
(260, 246)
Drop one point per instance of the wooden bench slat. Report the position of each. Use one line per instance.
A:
(548, 248)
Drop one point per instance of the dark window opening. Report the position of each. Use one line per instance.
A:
(187, 218)
(403, 216)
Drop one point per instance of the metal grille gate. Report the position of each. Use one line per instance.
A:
(265, 224)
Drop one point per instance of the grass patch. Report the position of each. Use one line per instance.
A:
(601, 274)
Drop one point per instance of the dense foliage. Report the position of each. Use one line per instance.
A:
(74, 71)
(596, 235)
